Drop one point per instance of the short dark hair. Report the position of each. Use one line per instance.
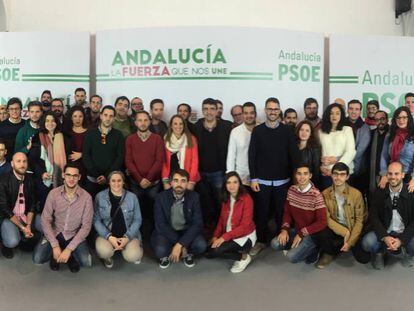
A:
(301, 165)
(47, 92)
(122, 98)
(410, 94)
(57, 100)
(182, 173)
(34, 103)
(326, 126)
(340, 166)
(272, 100)
(14, 100)
(143, 112)
(3, 142)
(186, 105)
(209, 101)
(249, 104)
(289, 110)
(309, 101)
(225, 195)
(373, 102)
(382, 111)
(355, 101)
(96, 95)
(71, 165)
(156, 101)
(80, 89)
(108, 107)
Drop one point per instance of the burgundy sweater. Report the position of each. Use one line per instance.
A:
(306, 211)
(144, 159)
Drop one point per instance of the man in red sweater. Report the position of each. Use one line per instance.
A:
(144, 157)
(304, 216)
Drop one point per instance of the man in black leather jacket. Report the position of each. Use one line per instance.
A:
(18, 203)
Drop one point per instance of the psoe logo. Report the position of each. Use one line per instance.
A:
(9, 69)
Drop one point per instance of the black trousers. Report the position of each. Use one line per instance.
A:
(229, 250)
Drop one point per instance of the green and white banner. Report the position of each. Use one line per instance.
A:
(188, 64)
(371, 67)
(31, 62)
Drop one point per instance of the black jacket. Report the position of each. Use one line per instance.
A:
(192, 213)
(381, 213)
(9, 190)
(312, 157)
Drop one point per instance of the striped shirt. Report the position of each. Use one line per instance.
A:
(305, 210)
(71, 218)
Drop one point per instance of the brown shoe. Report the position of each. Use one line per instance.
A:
(324, 261)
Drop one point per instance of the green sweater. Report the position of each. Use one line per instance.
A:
(101, 159)
(124, 126)
(23, 136)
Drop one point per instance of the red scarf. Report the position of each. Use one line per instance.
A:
(370, 122)
(398, 144)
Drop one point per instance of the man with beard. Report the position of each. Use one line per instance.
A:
(57, 109)
(409, 102)
(311, 112)
(372, 108)
(158, 126)
(238, 150)
(46, 100)
(178, 220)
(144, 157)
(27, 137)
(290, 118)
(122, 122)
(66, 222)
(392, 218)
(80, 97)
(273, 156)
(375, 149)
(103, 152)
(10, 127)
(184, 110)
(92, 113)
(220, 109)
(18, 204)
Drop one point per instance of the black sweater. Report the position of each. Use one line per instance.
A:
(273, 153)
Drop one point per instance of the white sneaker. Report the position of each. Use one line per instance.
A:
(257, 249)
(137, 262)
(239, 266)
(108, 263)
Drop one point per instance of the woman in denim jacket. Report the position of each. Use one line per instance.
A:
(399, 146)
(117, 220)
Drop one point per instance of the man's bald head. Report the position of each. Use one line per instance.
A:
(395, 174)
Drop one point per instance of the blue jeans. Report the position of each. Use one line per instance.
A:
(43, 252)
(11, 235)
(370, 243)
(305, 248)
(163, 247)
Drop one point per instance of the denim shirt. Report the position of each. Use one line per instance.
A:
(406, 156)
(130, 208)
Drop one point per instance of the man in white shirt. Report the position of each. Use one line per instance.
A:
(238, 150)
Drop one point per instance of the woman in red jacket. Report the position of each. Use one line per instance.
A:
(181, 151)
(235, 233)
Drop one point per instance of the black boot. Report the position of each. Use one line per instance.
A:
(378, 260)
(7, 252)
(54, 265)
(73, 265)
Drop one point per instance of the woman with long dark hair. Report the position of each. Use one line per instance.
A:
(235, 233)
(337, 142)
(75, 132)
(181, 152)
(309, 149)
(399, 146)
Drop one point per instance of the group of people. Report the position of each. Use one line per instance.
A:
(110, 177)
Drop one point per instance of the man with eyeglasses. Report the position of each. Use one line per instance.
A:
(18, 204)
(273, 156)
(57, 109)
(375, 148)
(66, 222)
(10, 127)
(345, 208)
(103, 151)
(136, 105)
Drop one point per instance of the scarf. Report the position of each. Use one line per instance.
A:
(370, 122)
(53, 153)
(398, 143)
(175, 145)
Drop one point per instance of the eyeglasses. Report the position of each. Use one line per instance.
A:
(380, 119)
(103, 138)
(402, 118)
(339, 174)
